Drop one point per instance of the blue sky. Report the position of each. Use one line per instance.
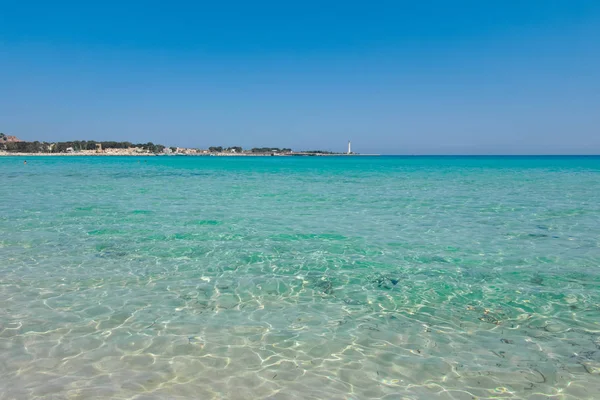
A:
(402, 77)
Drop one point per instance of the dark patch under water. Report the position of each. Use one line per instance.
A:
(325, 286)
(211, 222)
(383, 281)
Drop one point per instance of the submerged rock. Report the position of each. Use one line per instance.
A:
(325, 286)
(537, 279)
(489, 319)
(384, 281)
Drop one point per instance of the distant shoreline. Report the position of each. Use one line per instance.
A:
(7, 154)
(13, 146)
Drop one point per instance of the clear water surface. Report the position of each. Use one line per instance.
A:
(300, 278)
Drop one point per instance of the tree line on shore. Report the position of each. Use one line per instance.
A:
(78, 145)
(239, 149)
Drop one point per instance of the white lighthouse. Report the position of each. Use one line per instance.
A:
(349, 147)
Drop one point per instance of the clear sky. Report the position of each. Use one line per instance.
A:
(401, 77)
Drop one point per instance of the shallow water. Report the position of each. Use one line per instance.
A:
(289, 278)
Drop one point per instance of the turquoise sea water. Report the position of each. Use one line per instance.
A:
(299, 278)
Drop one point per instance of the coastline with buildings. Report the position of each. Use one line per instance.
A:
(12, 146)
